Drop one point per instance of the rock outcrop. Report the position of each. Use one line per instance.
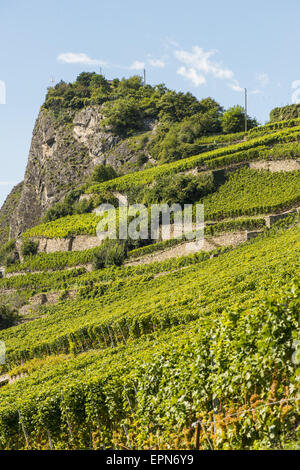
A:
(62, 155)
(8, 212)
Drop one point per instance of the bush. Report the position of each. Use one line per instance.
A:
(8, 253)
(285, 113)
(103, 173)
(173, 141)
(233, 120)
(111, 252)
(29, 247)
(142, 159)
(8, 316)
(174, 106)
(63, 208)
(123, 116)
(183, 189)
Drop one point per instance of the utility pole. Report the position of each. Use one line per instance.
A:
(144, 76)
(246, 127)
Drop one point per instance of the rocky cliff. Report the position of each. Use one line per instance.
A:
(61, 157)
(8, 211)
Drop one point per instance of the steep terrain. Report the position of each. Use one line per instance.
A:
(8, 212)
(95, 121)
(59, 156)
(150, 344)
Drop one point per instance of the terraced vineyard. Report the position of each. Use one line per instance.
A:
(149, 354)
(252, 192)
(213, 307)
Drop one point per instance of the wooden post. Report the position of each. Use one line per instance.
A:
(198, 428)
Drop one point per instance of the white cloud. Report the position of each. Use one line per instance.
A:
(157, 63)
(234, 85)
(192, 74)
(255, 92)
(137, 65)
(200, 61)
(78, 58)
(263, 78)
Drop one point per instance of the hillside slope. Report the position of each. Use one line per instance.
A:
(137, 351)
(123, 123)
(147, 344)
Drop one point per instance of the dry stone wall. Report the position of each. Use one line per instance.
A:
(276, 165)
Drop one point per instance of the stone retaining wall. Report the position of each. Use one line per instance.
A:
(271, 219)
(84, 242)
(184, 249)
(275, 165)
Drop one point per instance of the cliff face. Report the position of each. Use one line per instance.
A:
(62, 156)
(8, 211)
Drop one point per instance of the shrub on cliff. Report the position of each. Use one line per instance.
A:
(29, 247)
(123, 116)
(103, 173)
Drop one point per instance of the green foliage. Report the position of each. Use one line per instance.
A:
(252, 192)
(41, 281)
(208, 286)
(7, 253)
(274, 126)
(285, 113)
(185, 189)
(174, 106)
(235, 225)
(60, 260)
(143, 351)
(155, 374)
(66, 227)
(147, 176)
(184, 138)
(8, 316)
(122, 117)
(72, 204)
(103, 173)
(29, 247)
(63, 208)
(109, 253)
(233, 120)
(53, 261)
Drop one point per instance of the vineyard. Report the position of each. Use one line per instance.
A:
(247, 192)
(125, 182)
(195, 350)
(252, 192)
(225, 301)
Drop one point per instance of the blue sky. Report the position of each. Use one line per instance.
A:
(211, 48)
